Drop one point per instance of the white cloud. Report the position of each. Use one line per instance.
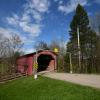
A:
(7, 32)
(36, 8)
(30, 19)
(29, 50)
(34, 14)
(71, 5)
(25, 18)
(60, 2)
(37, 16)
(13, 20)
(32, 28)
(39, 5)
(25, 24)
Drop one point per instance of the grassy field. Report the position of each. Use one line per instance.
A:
(46, 89)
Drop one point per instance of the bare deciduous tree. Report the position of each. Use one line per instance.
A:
(41, 45)
(95, 23)
(10, 48)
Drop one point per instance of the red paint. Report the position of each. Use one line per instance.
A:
(29, 60)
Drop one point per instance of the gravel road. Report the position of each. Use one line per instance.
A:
(82, 79)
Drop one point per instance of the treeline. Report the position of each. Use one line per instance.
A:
(86, 58)
(10, 49)
(82, 52)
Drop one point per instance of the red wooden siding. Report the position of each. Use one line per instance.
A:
(30, 58)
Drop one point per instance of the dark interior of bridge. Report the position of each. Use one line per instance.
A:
(43, 62)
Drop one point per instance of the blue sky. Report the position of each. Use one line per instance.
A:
(36, 20)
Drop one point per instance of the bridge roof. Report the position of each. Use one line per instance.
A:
(39, 51)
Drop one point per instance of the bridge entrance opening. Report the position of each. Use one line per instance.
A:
(44, 62)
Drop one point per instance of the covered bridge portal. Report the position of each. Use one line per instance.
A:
(46, 60)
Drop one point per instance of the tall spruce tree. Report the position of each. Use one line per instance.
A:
(87, 39)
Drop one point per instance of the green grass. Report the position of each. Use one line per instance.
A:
(46, 89)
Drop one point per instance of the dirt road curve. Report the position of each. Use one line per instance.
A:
(83, 79)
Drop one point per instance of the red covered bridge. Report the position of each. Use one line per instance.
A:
(46, 60)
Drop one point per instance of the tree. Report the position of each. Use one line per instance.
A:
(95, 26)
(10, 49)
(54, 44)
(41, 45)
(95, 23)
(87, 38)
(97, 57)
(59, 44)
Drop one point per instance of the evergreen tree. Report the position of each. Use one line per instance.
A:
(87, 38)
